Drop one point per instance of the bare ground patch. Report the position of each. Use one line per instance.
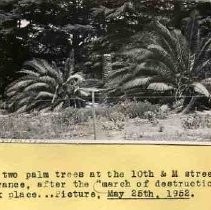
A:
(174, 127)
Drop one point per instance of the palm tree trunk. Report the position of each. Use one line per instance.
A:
(189, 106)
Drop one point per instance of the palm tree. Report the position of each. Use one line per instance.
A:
(165, 61)
(44, 86)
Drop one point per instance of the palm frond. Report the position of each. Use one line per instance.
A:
(58, 107)
(36, 86)
(53, 72)
(159, 86)
(77, 77)
(44, 95)
(160, 54)
(24, 101)
(201, 89)
(22, 109)
(162, 31)
(19, 85)
(137, 82)
(29, 72)
(151, 67)
(137, 54)
(119, 80)
(49, 80)
(204, 48)
(119, 72)
(192, 33)
(36, 65)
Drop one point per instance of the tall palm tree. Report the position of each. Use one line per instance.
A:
(165, 61)
(45, 86)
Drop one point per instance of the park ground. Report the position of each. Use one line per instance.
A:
(141, 123)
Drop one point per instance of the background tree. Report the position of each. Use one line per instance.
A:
(44, 29)
(12, 52)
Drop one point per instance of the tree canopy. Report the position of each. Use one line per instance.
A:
(52, 29)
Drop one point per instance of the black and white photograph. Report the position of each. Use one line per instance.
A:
(118, 70)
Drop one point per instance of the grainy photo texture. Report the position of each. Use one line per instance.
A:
(105, 69)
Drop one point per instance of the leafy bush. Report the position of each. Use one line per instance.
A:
(131, 109)
(197, 120)
(137, 109)
(18, 126)
(207, 121)
(192, 122)
(62, 125)
(72, 116)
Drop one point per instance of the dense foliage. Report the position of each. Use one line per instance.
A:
(156, 48)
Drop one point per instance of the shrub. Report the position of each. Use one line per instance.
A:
(137, 109)
(192, 121)
(197, 120)
(71, 116)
